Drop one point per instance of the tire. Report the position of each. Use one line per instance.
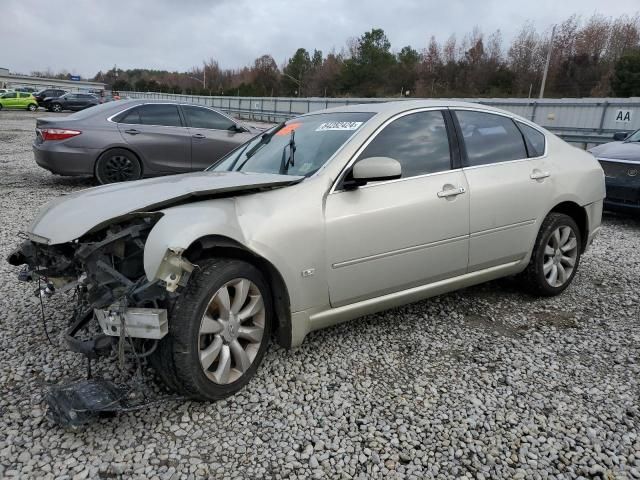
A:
(0, 106)
(32, 107)
(557, 249)
(117, 165)
(55, 107)
(198, 348)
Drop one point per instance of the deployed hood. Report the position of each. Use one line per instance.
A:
(68, 217)
(618, 151)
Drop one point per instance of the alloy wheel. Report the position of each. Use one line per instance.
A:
(118, 168)
(231, 331)
(560, 256)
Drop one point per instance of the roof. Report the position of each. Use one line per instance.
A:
(398, 106)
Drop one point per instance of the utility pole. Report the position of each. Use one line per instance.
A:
(546, 66)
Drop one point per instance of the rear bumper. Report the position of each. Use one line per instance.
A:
(63, 160)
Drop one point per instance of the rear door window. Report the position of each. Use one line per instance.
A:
(162, 114)
(490, 138)
(199, 117)
(130, 116)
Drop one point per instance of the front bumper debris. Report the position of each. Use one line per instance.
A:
(150, 323)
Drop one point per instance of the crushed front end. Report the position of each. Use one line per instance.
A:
(117, 309)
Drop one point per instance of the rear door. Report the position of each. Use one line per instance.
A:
(157, 133)
(24, 99)
(71, 101)
(213, 135)
(508, 191)
(84, 100)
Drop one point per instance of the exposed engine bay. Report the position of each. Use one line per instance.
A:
(116, 307)
(105, 270)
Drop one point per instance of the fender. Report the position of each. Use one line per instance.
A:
(181, 226)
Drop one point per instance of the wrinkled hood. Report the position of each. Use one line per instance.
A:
(618, 151)
(68, 217)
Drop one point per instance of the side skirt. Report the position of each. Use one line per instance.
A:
(305, 322)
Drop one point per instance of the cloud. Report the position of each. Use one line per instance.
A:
(84, 37)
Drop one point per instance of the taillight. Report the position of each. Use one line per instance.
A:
(58, 133)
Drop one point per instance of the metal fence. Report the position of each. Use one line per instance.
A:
(584, 121)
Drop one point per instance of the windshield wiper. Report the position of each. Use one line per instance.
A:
(284, 165)
(266, 138)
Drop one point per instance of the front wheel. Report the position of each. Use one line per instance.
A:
(32, 107)
(555, 257)
(219, 330)
(56, 107)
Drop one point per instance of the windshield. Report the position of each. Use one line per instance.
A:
(299, 146)
(634, 137)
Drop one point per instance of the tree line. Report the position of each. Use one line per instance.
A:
(599, 56)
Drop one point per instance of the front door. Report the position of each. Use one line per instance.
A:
(213, 135)
(392, 235)
(508, 191)
(156, 132)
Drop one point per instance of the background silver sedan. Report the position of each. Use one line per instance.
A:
(131, 139)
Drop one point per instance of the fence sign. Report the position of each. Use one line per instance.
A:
(623, 116)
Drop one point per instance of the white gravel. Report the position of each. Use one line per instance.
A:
(483, 383)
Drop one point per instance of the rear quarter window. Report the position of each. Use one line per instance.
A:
(535, 140)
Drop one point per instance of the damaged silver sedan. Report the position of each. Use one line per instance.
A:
(321, 219)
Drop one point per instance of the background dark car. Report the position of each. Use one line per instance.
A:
(621, 164)
(130, 139)
(70, 101)
(48, 93)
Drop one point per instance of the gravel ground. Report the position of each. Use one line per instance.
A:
(483, 383)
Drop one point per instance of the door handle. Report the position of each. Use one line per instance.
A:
(452, 192)
(538, 175)
(132, 131)
(198, 135)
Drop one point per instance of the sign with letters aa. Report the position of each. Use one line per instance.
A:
(623, 116)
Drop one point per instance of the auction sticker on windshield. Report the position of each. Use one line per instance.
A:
(338, 126)
(287, 129)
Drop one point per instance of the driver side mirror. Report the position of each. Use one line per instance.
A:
(372, 169)
(619, 136)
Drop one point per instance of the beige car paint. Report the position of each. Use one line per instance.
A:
(343, 254)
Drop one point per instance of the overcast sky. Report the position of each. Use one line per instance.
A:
(88, 36)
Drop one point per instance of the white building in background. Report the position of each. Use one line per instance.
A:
(11, 80)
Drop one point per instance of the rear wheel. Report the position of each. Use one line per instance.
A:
(219, 330)
(555, 257)
(117, 165)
